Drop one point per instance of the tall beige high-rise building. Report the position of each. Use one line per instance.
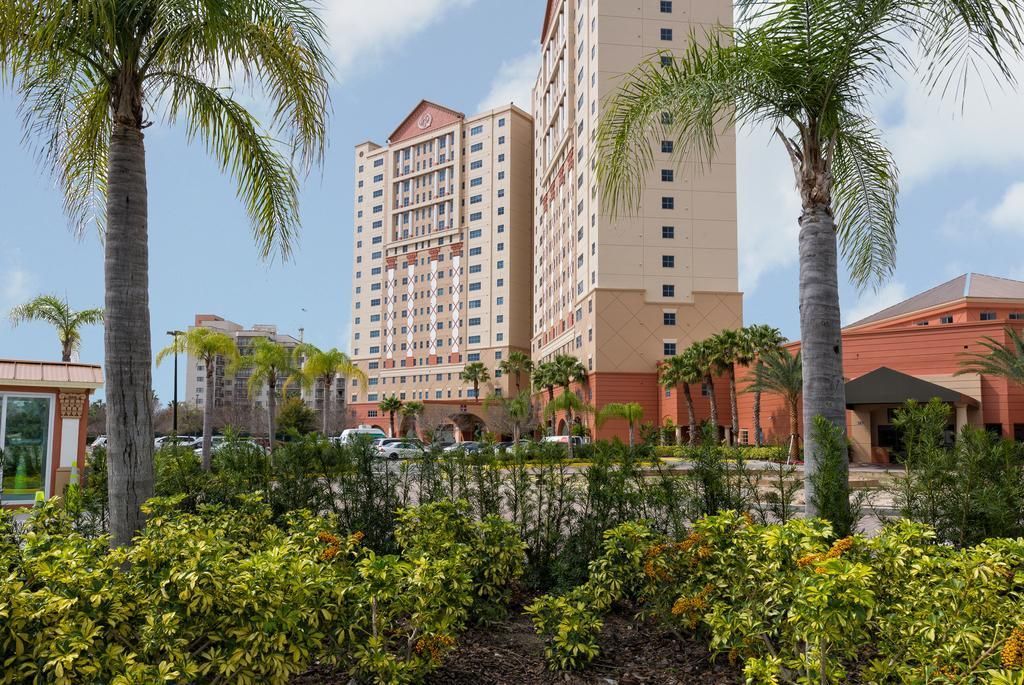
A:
(442, 274)
(622, 293)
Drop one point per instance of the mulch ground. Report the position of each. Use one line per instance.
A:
(632, 653)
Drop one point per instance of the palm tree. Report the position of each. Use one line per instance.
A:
(517, 363)
(518, 408)
(412, 410)
(566, 370)
(571, 404)
(543, 379)
(760, 339)
(1004, 360)
(391, 406)
(270, 366)
(59, 314)
(681, 371)
(475, 373)
(91, 76)
(209, 347)
(781, 373)
(729, 351)
(704, 357)
(807, 68)
(322, 367)
(632, 413)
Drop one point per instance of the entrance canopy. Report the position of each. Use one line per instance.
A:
(886, 386)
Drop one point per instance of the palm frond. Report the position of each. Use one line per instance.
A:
(265, 181)
(865, 201)
(1003, 360)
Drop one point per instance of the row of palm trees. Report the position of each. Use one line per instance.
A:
(271, 367)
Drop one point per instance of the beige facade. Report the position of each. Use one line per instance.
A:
(622, 293)
(231, 387)
(442, 273)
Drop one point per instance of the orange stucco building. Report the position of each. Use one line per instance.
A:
(912, 350)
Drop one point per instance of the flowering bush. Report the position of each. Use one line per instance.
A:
(224, 595)
(797, 606)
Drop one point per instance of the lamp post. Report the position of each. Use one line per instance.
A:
(174, 406)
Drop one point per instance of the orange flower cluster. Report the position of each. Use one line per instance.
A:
(435, 646)
(357, 537)
(839, 547)
(748, 518)
(650, 570)
(691, 607)
(333, 545)
(1013, 650)
(690, 542)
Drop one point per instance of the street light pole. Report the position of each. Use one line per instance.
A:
(174, 407)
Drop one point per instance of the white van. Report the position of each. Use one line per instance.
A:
(367, 431)
(577, 440)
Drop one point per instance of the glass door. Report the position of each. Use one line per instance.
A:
(25, 435)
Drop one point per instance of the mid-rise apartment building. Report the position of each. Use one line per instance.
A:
(442, 273)
(231, 386)
(624, 292)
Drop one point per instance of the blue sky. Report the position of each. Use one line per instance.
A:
(962, 206)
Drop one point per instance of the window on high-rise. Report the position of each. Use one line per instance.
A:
(666, 6)
(476, 147)
(667, 146)
(666, 34)
(668, 290)
(668, 261)
(988, 316)
(668, 175)
(668, 203)
(669, 349)
(668, 318)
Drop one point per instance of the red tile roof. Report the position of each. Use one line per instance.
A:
(56, 374)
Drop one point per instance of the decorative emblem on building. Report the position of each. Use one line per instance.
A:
(425, 120)
(71, 405)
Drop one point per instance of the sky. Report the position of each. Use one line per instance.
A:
(961, 201)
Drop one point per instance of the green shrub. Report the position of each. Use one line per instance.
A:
(223, 594)
(797, 607)
(969, 491)
(831, 492)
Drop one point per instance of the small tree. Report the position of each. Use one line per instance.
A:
(412, 411)
(475, 373)
(59, 314)
(543, 379)
(632, 413)
(206, 345)
(296, 417)
(781, 373)
(323, 366)
(760, 339)
(704, 357)
(729, 350)
(516, 364)
(681, 371)
(270, 366)
(572, 405)
(391, 406)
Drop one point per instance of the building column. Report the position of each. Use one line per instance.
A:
(72, 406)
(961, 417)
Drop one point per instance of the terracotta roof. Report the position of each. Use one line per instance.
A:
(415, 112)
(962, 287)
(886, 386)
(57, 374)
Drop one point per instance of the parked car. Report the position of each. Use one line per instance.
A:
(469, 447)
(349, 434)
(178, 440)
(401, 449)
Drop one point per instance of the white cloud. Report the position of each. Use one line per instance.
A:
(870, 303)
(769, 207)
(366, 30)
(513, 82)
(1009, 213)
(931, 135)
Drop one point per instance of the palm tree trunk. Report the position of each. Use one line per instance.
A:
(128, 352)
(734, 437)
(208, 401)
(793, 422)
(551, 398)
(391, 423)
(821, 338)
(327, 402)
(691, 416)
(630, 435)
(710, 382)
(271, 406)
(66, 351)
(757, 408)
